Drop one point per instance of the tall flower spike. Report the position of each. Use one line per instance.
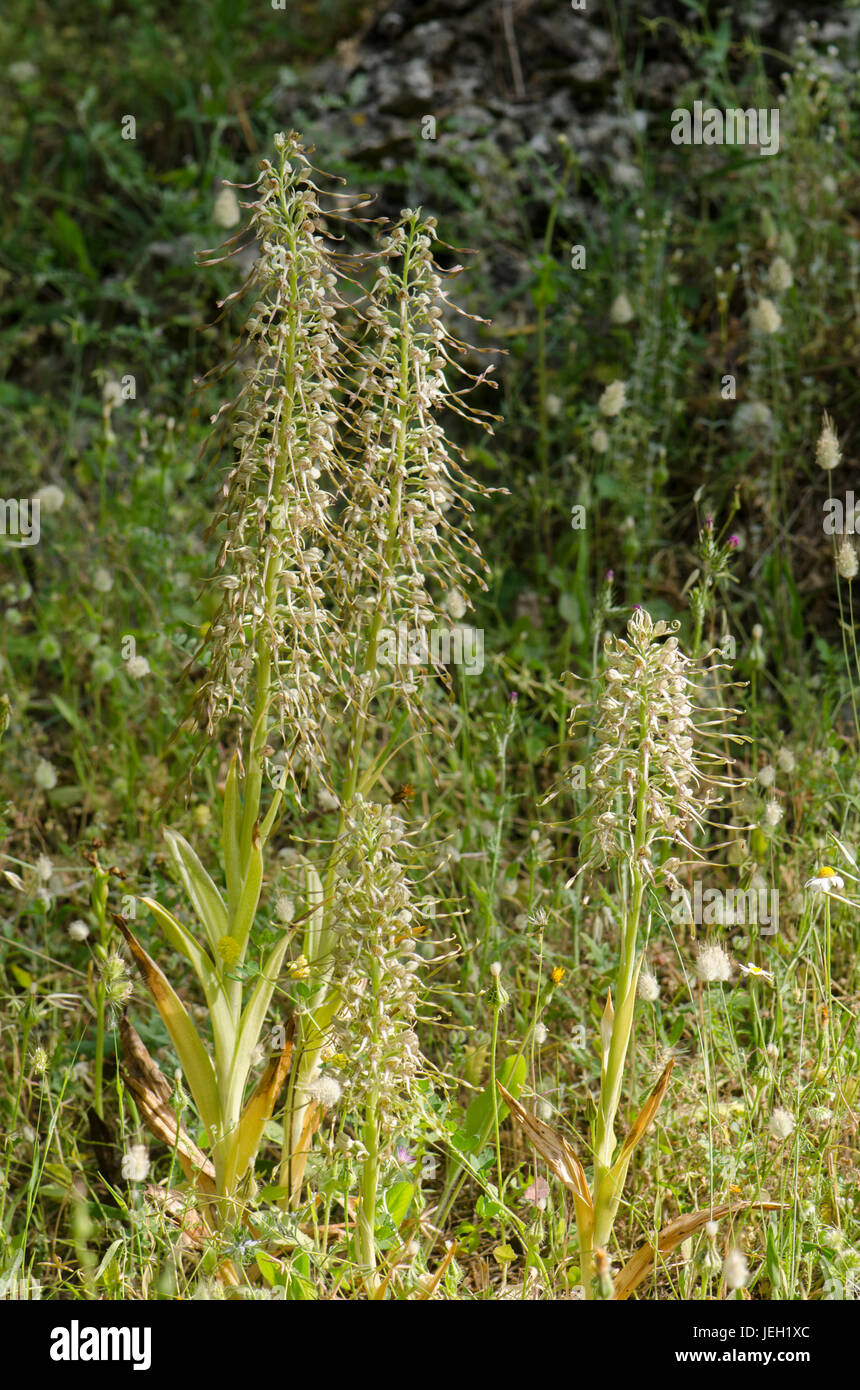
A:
(376, 965)
(405, 553)
(653, 776)
(276, 520)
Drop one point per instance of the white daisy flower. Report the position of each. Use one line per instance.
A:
(756, 970)
(827, 880)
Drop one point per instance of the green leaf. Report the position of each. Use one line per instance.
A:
(207, 901)
(69, 237)
(773, 1266)
(479, 1116)
(271, 1271)
(231, 836)
(398, 1200)
(108, 1257)
(193, 1056)
(21, 976)
(250, 1026)
(71, 716)
(314, 899)
(223, 1021)
(273, 1194)
(250, 895)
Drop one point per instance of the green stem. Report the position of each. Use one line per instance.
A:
(370, 1166)
(98, 1064)
(306, 1055)
(495, 1093)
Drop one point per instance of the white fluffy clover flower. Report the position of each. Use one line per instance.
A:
(713, 965)
(621, 310)
(772, 814)
(648, 987)
(135, 1163)
(846, 559)
(765, 318)
(781, 1123)
(45, 776)
(50, 498)
(828, 453)
(325, 1091)
(226, 211)
(614, 399)
(653, 774)
(736, 1270)
(754, 418)
(780, 276)
(376, 965)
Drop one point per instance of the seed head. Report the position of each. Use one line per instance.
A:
(828, 454)
(736, 1270)
(765, 318)
(135, 1163)
(621, 310)
(846, 559)
(613, 399)
(713, 965)
(648, 988)
(780, 276)
(781, 1123)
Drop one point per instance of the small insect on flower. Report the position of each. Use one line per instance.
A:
(403, 795)
(757, 971)
(827, 880)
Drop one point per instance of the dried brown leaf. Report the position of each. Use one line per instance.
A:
(639, 1266)
(152, 1092)
(647, 1113)
(258, 1109)
(557, 1153)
